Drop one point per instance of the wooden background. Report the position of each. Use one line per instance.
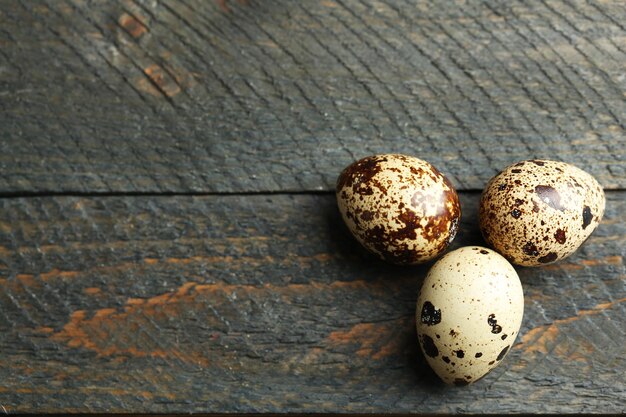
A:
(169, 239)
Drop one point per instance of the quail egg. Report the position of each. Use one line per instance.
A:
(537, 212)
(399, 207)
(469, 312)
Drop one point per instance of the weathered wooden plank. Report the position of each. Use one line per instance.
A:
(132, 95)
(266, 304)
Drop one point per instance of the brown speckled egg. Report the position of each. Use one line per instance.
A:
(537, 212)
(399, 207)
(469, 312)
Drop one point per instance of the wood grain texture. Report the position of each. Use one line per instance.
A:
(221, 96)
(267, 304)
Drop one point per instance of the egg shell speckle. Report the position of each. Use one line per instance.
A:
(537, 212)
(399, 207)
(469, 312)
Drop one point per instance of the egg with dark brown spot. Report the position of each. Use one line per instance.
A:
(399, 207)
(539, 211)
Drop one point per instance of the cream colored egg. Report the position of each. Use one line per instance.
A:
(399, 207)
(469, 312)
(537, 212)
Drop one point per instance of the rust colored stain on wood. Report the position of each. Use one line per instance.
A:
(57, 273)
(162, 80)
(112, 331)
(540, 339)
(607, 260)
(44, 330)
(564, 266)
(363, 334)
(374, 340)
(223, 4)
(132, 25)
(26, 279)
(97, 334)
(582, 263)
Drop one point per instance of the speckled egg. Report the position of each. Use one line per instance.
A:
(469, 312)
(537, 212)
(399, 207)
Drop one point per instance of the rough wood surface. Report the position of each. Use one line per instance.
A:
(151, 303)
(266, 304)
(220, 96)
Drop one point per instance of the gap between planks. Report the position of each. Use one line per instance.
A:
(44, 194)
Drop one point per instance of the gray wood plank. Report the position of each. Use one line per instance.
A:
(266, 304)
(223, 96)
